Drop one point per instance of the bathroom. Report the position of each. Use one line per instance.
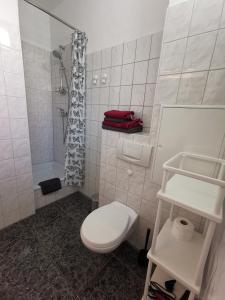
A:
(76, 228)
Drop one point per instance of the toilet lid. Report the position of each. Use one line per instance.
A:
(104, 226)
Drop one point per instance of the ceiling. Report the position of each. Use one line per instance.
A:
(47, 4)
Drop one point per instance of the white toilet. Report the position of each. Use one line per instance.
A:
(107, 227)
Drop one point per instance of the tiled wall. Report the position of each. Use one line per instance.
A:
(131, 70)
(191, 71)
(59, 101)
(37, 70)
(192, 65)
(136, 190)
(16, 192)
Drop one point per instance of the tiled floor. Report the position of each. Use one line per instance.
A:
(43, 257)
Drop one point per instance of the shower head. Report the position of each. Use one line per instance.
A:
(57, 54)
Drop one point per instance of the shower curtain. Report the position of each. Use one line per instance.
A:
(75, 140)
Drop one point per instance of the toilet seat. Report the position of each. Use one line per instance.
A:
(105, 228)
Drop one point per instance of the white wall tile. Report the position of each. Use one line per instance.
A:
(156, 45)
(2, 83)
(6, 150)
(26, 203)
(97, 60)
(114, 96)
(109, 192)
(110, 174)
(3, 107)
(134, 201)
(89, 61)
(122, 179)
(149, 94)
(8, 195)
(121, 196)
(147, 211)
(153, 68)
(192, 86)
(104, 96)
(143, 48)
(106, 57)
(172, 57)
(117, 55)
(14, 85)
(125, 95)
(19, 128)
(23, 165)
(127, 74)
(222, 22)
(115, 76)
(12, 60)
(218, 60)
(140, 72)
(7, 169)
(94, 132)
(17, 107)
(88, 96)
(102, 110)
(11, 217)
(129, 52)
(215, 88)
(138, 95)
(5, 129)
(95, 97)
(167, 88)
(199, 52)
(89, 78)
(24, 182)
(178, 20)
(147, 116)
(206, 16)
(94, 112)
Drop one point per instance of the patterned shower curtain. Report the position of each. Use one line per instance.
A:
(75, 140)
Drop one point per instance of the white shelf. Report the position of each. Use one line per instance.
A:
(178, 258)
(192, 194)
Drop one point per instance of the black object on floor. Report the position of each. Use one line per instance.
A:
(43, 258)
(170, 284)
(142, 256)
(185, 295)
(50, 185)
(156, 291)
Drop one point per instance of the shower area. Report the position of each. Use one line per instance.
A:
(46, 48)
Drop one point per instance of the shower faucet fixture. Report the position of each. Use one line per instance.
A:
(95, 80)
(104, 78)
(63, 113)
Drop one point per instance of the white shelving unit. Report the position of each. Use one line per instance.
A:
(197, 193)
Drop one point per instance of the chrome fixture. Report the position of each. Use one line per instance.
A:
(62, 71)
(62, 90)
(50, 14)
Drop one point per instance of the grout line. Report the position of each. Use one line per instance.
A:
(185, 52)
(217, 34)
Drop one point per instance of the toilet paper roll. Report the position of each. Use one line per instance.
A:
(182, 229)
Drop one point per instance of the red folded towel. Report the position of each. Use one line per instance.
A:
(129, 124)
(119, 114)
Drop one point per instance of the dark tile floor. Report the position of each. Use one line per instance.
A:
(43, 257)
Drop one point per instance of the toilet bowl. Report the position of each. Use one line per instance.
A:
(107, 227)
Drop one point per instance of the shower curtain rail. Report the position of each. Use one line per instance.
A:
(51, 15)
